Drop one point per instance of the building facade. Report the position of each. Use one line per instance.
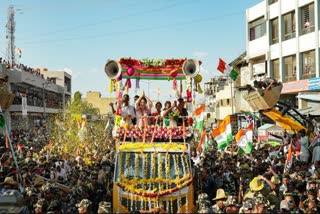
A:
(283, 43)
(37, 96)
(102, 103)
(223, 95)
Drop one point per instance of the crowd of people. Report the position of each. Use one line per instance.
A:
(263, 181)
(35, 98)
(22, 67)
(52, 183)
(224, 180)
(141, 114)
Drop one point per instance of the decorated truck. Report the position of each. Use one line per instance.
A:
(152, 166)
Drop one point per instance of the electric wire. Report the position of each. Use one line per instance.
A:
(108, 20)
(97, 36)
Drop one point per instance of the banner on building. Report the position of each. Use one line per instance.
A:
(24, 107)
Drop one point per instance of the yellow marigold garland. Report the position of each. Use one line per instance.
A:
(143, 146)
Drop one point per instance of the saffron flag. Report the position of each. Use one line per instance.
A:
(224, 68)
(201, 142)
(289, 159)
(199, 110)
(222, 134)
(244, 139)
(7, 142)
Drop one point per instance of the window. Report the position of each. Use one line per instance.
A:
(290, 68)
(275, 69)
(272, 1)
(228, 102)
(289, 26)
(308, 65)
(307, 19)
(274, 31)
(257, 28)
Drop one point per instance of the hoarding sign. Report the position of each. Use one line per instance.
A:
(295, 86)
(314, 83)
(24, 107)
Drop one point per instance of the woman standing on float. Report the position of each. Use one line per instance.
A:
(142, 110)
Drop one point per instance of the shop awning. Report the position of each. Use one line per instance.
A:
(313, 97)
(284, 121)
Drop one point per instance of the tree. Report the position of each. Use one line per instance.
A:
(72, 135)
(78, 106)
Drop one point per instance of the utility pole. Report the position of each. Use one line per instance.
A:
(11, 26)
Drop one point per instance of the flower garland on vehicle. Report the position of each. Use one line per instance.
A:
(160, 132)
(183, 164)
(136, 164)
(160, 173)
(153, 163)
(143, 146)
(154, 180)
(153, 62)
(152, 193)
(128, 62)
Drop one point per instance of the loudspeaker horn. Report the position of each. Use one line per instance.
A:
(113, 69)
(191, 67)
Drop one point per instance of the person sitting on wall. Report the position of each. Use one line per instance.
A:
(267, 83)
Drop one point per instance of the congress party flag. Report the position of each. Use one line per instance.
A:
(224, 68)
(222, 134)
(244, 139)
(288, 163)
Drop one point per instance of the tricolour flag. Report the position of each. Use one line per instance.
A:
(244, 139)
(289, 159)
(199, 125)
(223, 133)
(224, 68)
(201, 144)
(199, 110)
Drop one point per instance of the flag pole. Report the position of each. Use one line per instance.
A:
(231, 89)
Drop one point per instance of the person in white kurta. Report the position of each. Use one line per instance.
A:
(304, 150)
(316, 148)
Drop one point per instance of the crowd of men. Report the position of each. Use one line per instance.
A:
(51, 183)
(22, 67)
(261, 182)
(225, 181)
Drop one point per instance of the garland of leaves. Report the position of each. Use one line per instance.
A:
(153, 62)
(156, 63)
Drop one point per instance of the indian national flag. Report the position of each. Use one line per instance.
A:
(201, 144)
(223, 133)
(199, 125)
(244, 139)
(199, 110)
(199, 116)
(289, 159)
(224, 68)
